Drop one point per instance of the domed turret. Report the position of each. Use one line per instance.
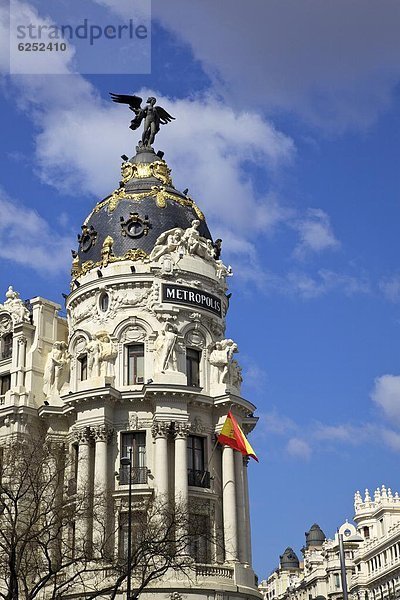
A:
(315, 537)
(128, 222)
(289, 560)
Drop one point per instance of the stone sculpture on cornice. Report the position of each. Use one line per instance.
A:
(166, 347)
(222, 357)
(16, 307)
(57, 369)
(101, 355)
(183, 241)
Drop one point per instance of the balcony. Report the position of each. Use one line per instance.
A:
(198, 478)
(139, 475)
(214, 571)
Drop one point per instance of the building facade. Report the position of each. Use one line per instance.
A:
(141, 362)
(372, 557)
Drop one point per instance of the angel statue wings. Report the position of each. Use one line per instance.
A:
(152, 115)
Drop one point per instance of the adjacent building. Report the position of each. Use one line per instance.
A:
(372, 557)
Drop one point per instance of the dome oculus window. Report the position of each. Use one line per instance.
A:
(135, 227)
(88, 238)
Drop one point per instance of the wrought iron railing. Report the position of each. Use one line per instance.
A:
(139, 475)
(198, 478)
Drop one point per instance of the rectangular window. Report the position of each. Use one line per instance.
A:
(139, 535)
(199, 531)
(195, 452)
(137, 441)
(382, 524)
(5, 383)
(7, 346)
(197, 475)
(83, 364)
(193, 367)
(134, 361)
(337, 581)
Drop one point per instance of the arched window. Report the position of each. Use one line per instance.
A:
(7, 344)
(104, 302)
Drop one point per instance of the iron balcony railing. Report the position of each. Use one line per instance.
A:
(198, 478)
(139, 475)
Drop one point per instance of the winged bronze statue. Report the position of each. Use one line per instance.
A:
(153, 115)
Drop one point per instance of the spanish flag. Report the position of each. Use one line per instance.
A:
(231, 435)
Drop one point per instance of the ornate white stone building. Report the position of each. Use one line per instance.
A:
(372, 557)
(142, 361)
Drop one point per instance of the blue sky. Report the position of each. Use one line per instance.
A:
(288, 136)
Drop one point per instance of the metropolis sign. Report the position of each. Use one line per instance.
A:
(179, 294)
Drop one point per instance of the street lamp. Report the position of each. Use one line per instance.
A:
(127, 461)
(351, 538)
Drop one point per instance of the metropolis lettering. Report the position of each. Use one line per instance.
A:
(190, 296)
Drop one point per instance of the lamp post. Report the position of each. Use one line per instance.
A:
(127, 461)
(351, 538)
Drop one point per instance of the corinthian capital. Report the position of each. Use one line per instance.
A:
(160, 429)
(181, 430)
(103, 433)
(83, 435)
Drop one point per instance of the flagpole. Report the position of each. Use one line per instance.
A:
(209, 461)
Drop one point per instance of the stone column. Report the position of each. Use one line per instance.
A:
(247, 509)
(160, 432)
(84, 491)
(181, 469)
(241, 511)
(102, 436)
(22, 341)
(53, 494)
(229, 504)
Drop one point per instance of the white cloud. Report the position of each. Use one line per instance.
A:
(276, 423)
(343, 432)
(386, 394)
(315, 233)
(81, 136)
(391, 439)
(390, 286)
(27, 239)
(298, 448)
(335, 64)
(308, 286)
(4, 38)
(254, 376)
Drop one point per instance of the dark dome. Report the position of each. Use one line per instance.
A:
(146, 205)
(315, 537)
(289, 559)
